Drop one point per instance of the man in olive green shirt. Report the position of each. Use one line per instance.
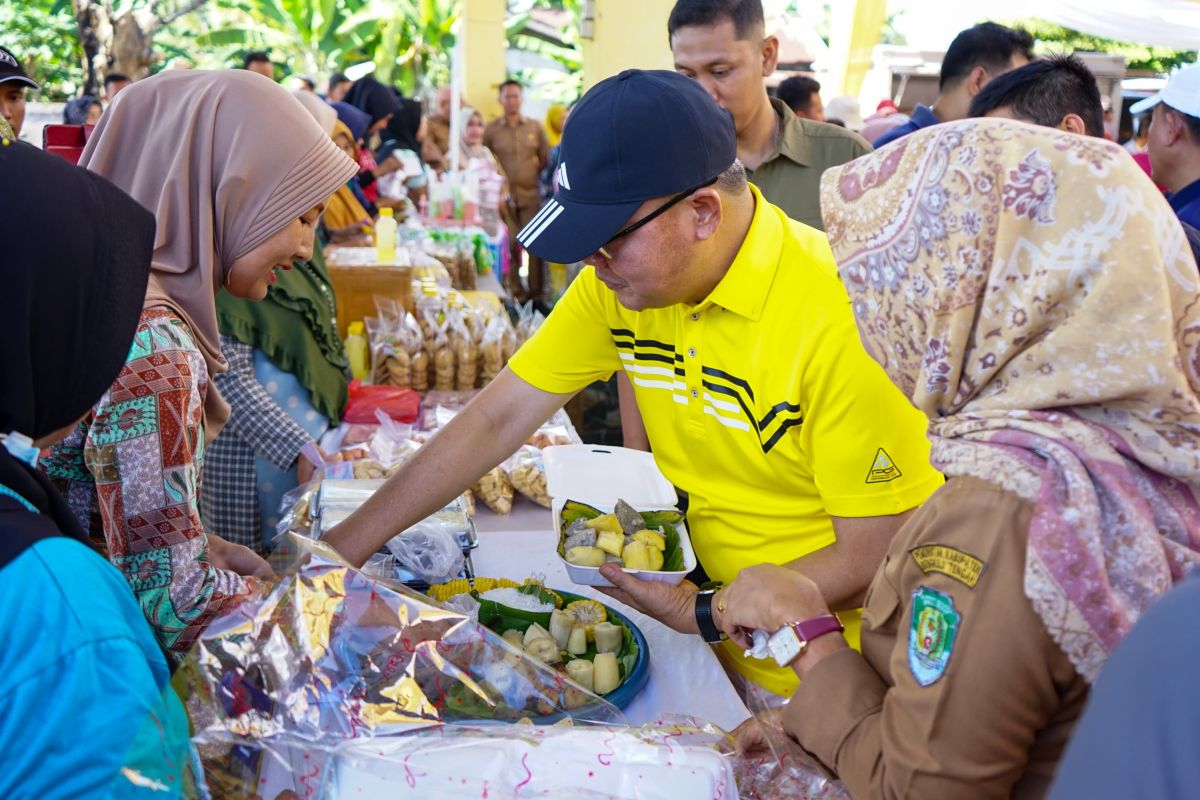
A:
(723, 45)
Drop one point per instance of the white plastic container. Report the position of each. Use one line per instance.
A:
(520, 761)
(600, 476)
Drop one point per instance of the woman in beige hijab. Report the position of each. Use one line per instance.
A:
(236, 173)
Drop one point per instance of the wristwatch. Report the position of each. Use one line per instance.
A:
(789, 642)
(704, 620)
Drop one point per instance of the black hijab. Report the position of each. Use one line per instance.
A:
(401, 130)
(371, 96)
(76, 261)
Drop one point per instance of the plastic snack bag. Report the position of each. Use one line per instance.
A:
(428, 551)
(492, 347)
(527, 472)
(466, 354)
(495, 490)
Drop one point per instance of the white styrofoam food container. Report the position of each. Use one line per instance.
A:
(600, 476)
(521, 762)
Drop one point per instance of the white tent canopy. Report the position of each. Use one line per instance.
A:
(1162, 23)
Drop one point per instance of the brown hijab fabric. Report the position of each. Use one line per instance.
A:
(225, 160)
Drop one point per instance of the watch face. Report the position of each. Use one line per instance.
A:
(785, 646)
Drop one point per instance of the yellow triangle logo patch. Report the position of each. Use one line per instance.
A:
(883, 469)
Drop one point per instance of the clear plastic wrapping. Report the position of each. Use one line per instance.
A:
(666, 760)
(527, 472)
(329, 654)
(430, 551)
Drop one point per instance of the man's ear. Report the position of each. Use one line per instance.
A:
(1173, 124)
(770, 55)
(708, 209)
(976, 80)
(1073, 123)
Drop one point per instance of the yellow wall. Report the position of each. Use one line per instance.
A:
(628, 34)
(855, 30)
(484, 54)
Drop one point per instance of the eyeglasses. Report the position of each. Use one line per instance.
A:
(602, 249)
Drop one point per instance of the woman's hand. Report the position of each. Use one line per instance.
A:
(306, 468)
(766, 597)
(237, 558)
(753, 737)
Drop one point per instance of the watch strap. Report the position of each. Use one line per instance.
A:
(704, 619)
(809, 629)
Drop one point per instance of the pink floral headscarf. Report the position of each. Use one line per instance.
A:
(1033, 294)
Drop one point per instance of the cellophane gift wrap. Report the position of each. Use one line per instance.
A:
(328, 655)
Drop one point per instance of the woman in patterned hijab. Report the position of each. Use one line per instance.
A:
(1034, 295)
(1037, 299)
(236, 173)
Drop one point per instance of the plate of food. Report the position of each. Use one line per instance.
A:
(651, 544)
(595, 646)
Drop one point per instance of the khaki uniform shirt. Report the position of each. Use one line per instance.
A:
(791, 176)
(437, 142)
(959, 690)
(522, 151)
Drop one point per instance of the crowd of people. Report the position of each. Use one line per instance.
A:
(931, 402)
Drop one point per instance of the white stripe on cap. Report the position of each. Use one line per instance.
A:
(537, 218)
(545, 224)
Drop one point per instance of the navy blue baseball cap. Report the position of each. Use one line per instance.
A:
(633, 137)
(12, 72)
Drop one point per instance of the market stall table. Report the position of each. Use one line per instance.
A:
(685, 676)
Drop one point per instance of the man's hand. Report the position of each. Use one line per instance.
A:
(673, 606)
(237, 558)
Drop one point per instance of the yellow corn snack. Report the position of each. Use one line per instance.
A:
(588, 614)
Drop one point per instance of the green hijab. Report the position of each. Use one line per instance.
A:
(294, 326)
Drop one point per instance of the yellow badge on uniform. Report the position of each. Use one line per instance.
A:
(883, 469)
(950, 562)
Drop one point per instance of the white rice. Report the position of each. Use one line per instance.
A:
(516, 599)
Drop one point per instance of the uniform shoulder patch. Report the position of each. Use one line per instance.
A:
(883, 469)
(949, 561)
(934, 628)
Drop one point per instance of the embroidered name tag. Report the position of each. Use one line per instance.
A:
(950, 562)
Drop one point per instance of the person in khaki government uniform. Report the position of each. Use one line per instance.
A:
(436, 146)
(994, 284)
(519, 144)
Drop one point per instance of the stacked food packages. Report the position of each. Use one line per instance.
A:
(445, 344)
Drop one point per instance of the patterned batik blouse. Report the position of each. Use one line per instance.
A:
(130, 472)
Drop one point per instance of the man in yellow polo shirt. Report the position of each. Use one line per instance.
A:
(729, 318)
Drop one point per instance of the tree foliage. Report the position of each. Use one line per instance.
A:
(1137, 56)
(42, 35)
(409, 41)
